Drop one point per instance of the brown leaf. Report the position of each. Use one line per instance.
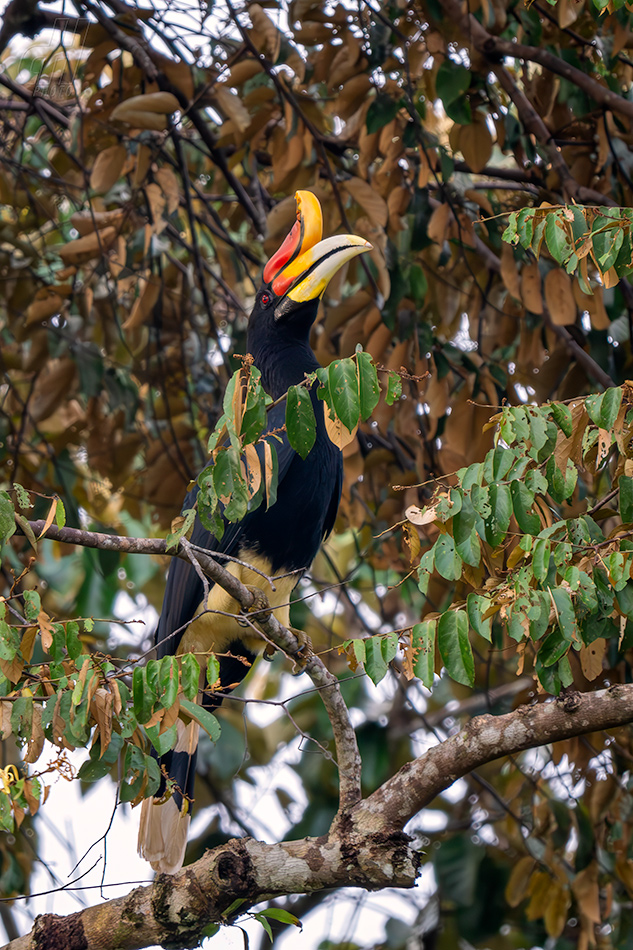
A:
(144, 304)
(28, 642)
(370, 201)
(559, 297)
(438, 224)
(475, 143)
(46, 630)
(421, 516)
(531, 288)
(36, 742)
(107, 168)
(337, 432)
(517, 886)
(253, 473)
(12, 669)
(88, 247)
(591, 658)
(152, 103)
(555, 916)
(168, 182)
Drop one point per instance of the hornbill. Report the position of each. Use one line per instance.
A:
(281, 540)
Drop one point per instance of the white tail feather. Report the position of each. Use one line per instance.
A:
(163, 828)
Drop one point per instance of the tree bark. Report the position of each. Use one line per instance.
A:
(366, 846)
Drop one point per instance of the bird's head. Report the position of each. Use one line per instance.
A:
(297, 275)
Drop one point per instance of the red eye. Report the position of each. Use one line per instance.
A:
(265, 299)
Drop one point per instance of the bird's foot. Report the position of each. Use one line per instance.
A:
(299, 657)
(260, 605)
(304, 652)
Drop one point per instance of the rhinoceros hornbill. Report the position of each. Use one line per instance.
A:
(280, 540)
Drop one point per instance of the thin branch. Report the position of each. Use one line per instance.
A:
(347, 754)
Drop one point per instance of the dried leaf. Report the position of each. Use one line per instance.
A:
(559, 297)
(107, 168)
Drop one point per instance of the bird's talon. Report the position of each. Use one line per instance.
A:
(304, 652)
(260, 604)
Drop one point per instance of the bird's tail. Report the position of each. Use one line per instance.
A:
(165, 818)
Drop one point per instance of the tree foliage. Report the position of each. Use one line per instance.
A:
(483, 552)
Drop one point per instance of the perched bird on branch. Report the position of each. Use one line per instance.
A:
(282, 539)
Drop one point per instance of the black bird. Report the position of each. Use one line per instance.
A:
(281, 539)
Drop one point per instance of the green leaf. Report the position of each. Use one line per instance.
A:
(465, 535)
(541, 553)
(423, 640)
(173, 538)
(60, 513)
(165, 741)
(427, 563)
(418, 284)
(168, 681)
(32, 604)
(7, 517)
(300, 420)
(447, 561)
(230, 484)
(368, 385)
(213, 670)
(498, 522)
(476, 607)
(522, 500)
(22, 717)
(454, 646)
(343, 381)
(73, 643)
(381, 111)
(375, 665)
(625, 485)
(189, 675)
(556, 237)
(451, 81)
(565, 612)
(394, 389)
(562, 417)
(284, 916)
(611, 402)
(553, 648)
(262, 920)
(9, 641)
(23, 497)
(143, 696)
(203, 717)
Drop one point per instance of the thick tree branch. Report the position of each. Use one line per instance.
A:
(347, 754)
(366, 848)
(488, 737)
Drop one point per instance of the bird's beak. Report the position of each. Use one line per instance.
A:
(304, 234)
(306, 277)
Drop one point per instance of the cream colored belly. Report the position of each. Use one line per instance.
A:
(214, 630)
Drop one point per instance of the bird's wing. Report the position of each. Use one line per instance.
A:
(184, 590)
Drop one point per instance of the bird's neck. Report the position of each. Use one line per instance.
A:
(283, 362)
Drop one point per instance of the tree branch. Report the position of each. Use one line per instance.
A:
(347, 754)
(489, 737)
(365, 849)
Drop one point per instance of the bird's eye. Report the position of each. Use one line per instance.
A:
(265, 299)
